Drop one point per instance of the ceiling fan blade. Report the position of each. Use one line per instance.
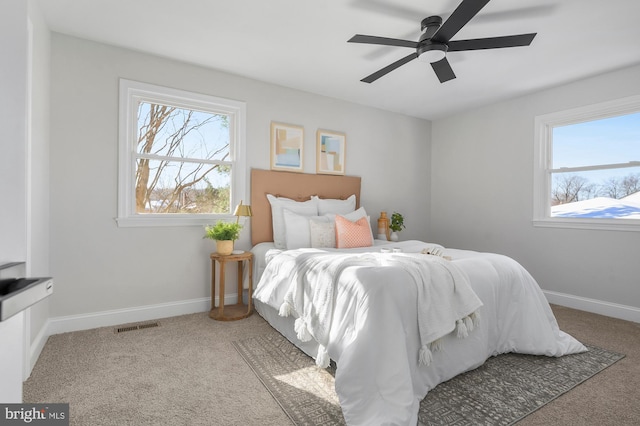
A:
(376, 75)
(491, 42)
(458, 19)
(359, 38)
(443, 70)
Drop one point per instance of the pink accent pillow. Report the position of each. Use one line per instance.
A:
(353, 234)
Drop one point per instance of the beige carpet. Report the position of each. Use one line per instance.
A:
(187, 372)
(184, 372)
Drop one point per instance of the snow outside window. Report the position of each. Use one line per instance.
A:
(587, 167)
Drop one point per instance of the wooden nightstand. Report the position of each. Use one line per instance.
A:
(239, 310)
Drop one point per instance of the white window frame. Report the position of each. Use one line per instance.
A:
(131, 94)
(542, 168)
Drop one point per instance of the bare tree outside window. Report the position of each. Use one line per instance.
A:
(182, 161)
(621, 187)
(181, 156)
(631, 184)
(571, 188)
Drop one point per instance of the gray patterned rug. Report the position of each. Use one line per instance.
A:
(502, 391)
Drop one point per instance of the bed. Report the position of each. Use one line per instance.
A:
(396, 319)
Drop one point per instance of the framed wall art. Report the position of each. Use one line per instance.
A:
(287, 142)
(330, 152)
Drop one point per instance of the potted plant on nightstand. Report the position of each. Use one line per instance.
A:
(397, 225)
(225, 233)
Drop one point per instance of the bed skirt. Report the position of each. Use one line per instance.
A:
(284, 326)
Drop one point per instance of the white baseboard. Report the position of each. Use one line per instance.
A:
(35, 349)
(614, 310)
(69, 323)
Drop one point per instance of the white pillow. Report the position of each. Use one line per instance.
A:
(297, 228)
(305, 208)
(355, 215)
(323, 233)
(335, 206)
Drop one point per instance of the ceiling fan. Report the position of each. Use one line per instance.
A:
(435, 41)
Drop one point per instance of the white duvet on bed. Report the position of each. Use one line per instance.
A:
(374, 336)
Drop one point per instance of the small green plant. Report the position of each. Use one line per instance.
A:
(397, 222)
(223, 231)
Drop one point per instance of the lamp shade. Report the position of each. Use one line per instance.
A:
(242, 210)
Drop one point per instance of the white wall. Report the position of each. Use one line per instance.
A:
(38, 244)
(99, 267)
(482, 199)
(13, 182)
(13, 105)
(13, 222)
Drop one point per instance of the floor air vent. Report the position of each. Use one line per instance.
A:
(124, 328)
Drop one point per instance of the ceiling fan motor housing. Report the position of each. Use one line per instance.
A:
(431, 21)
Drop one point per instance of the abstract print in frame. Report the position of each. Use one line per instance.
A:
(330, 156)
(287, 141)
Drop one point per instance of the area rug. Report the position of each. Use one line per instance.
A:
(502, 391)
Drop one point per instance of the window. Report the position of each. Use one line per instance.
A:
(587, 167)
(181, 159)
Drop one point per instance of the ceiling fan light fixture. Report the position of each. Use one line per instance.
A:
(432, 52)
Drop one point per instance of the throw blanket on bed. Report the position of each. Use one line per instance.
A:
(311, 294)
(445, 299)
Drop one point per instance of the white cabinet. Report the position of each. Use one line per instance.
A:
(11, 359)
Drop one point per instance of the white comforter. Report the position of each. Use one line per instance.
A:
(373, 331)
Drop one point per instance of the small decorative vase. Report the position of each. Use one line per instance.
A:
(393, 236)
(224, 247)
(383, 227)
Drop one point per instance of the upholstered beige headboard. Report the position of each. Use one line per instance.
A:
(297, 186)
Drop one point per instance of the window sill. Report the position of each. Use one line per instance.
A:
(169, 220)
(593, 224)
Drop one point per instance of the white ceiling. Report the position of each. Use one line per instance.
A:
(303, 44)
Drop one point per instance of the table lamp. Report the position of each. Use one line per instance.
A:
(241, 210)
